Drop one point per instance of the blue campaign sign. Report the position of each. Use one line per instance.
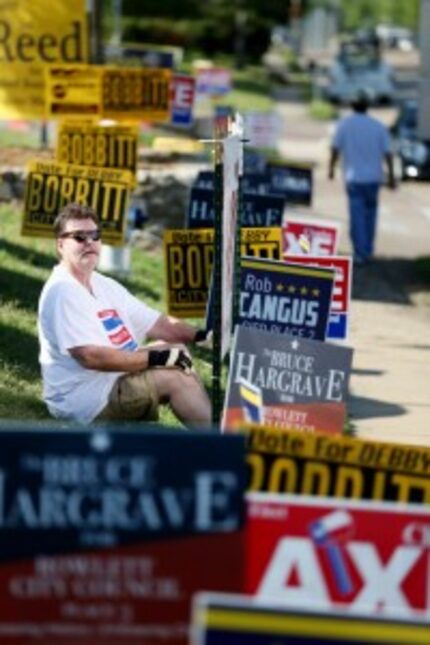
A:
(96, 525)
(294, 182)
(257, 210)
(338, 326)
(204, 179)
(285, 298)
(56, 487)
(201, 208)
(254, 161)
(262, 210)
(257, 183)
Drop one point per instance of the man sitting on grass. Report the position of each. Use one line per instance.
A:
(91, 330)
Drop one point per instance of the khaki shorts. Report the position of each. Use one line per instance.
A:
(132, 397)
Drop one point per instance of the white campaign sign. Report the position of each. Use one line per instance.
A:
(232, 169)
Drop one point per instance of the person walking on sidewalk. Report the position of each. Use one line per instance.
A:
(363, 143)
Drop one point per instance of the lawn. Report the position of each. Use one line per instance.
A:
(25, 264)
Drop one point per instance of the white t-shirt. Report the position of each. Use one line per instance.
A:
(70, 316)
(362, 141)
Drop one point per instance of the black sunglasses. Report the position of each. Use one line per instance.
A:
(84, 236)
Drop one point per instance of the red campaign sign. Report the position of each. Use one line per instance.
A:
(182, 93)
(341, 296)
(182, 89)
(372, 557)
(133, 594)
(302, 236)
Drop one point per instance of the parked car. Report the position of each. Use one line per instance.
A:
(359, 66)
(411, 153)
(395, 37)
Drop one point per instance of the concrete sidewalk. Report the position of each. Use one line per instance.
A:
(390, 316)
(390, 382)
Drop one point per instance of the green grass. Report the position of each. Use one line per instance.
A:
(14, 138)
(322, 110)
(25, 265)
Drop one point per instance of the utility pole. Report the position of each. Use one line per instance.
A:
(117, 27)
(424, 78)
(96, 35)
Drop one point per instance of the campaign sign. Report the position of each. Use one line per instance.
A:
(263, 129)
(309, 236)
(188, 255)
(277, 379)
(201, 208)
(254, 161)
(257, 183)
(35, 33)
(294, 182)
(204, 179)
(341, 297)
(73, 91)
(264, 242)
(262, 210)
(323, 552)
(182, 100)
(234, 619)
(87, 144)
(50, 186)
(106, 534)
(136, 93)
(284, 298)
(213, 81)
(286, 461)
(257, 210)
(222, 118)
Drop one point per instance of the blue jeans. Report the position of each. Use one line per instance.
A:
(363, 211)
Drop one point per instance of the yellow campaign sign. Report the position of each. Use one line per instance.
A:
(50, 186)
(288, 461)
(189, 259)
(33, 34)
(261, 242)
(136, 94)
(73, 90)
(86, 144)
(228, 618)
(120, 93)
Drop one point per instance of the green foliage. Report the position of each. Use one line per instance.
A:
(368, 13)
(422, 268)
(322, 110)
